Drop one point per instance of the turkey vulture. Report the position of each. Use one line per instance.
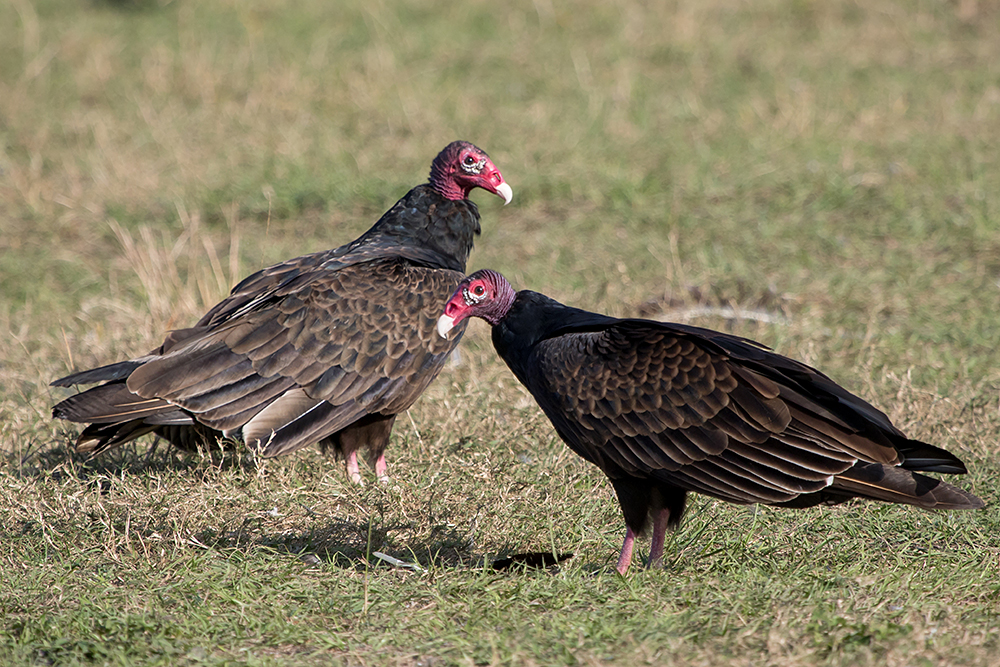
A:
(664, 409)
(327, 347)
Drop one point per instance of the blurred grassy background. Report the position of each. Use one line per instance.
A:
(831, 170)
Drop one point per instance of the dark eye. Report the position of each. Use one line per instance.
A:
(479, 290)
(469, 161)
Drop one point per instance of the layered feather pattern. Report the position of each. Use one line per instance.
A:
(309, 350)
(665, 409)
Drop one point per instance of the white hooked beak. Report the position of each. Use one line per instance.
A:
(504, 191)
(445, 323)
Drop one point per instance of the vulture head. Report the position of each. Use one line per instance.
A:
(485, 294)
(461, 166)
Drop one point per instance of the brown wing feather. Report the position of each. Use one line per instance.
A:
(288, 329)
(638, 399)
(362, 338)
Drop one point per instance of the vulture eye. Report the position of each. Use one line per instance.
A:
(474, 294)
(472, 165)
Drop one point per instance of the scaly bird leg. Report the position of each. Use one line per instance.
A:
(659, 532)
(625, 559)
(353, 472)
(380, 469)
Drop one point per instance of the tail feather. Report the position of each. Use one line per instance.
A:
(115, 416)
(109, 373)
(109, 403)
(920, 456)
(98, 438)
(897, 485)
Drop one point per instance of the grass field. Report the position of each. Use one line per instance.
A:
(821, 176)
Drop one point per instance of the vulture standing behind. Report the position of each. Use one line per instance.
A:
(327, 347)
(664, 409)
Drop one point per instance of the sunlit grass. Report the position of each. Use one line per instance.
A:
(823, 177)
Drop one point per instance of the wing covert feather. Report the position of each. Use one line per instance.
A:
(639, 399)
(363, 334)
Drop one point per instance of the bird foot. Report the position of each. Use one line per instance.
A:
(385, 479)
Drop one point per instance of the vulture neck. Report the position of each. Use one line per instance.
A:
(427, 228)
(534, 317)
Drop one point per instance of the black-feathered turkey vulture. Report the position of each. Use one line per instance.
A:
(664, 409)
(327, 347)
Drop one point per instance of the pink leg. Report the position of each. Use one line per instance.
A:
(353, 472)
(625, 559)
(381, 468)
(659, 531)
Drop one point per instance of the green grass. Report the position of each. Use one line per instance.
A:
(834, 166)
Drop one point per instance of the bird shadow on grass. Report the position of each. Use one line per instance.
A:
(316, 538)
(372, 543)
(359, 544)
(343, 542)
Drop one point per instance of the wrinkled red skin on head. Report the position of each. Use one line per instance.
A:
(456, 308)
(463, 303)
(460, 168)
(492, 305)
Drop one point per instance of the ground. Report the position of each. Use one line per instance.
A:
(822, 177)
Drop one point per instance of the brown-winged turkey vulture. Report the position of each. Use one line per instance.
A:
(664, 409)
(327, 347)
